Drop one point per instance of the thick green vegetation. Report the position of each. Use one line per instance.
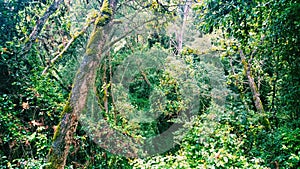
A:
(226, 72)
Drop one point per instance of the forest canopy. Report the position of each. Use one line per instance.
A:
(149, 84)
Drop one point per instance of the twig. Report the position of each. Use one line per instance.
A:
(145, 77)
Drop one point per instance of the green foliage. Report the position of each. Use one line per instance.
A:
(31, 103)
(209, 144)
(256, 26)
(224, 132)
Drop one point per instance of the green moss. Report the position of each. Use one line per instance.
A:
(102, 20)
(67, 109)
(105, 9)
(92, 47)
(90, 51)
(54, 163)
(56, 133)
(106, 13)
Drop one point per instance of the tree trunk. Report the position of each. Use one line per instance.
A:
(254, 90)
(84, 81)
(186, 9)
(252, 84)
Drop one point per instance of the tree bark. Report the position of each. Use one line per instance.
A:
(254, 90)
(252, 84)
(84, 81)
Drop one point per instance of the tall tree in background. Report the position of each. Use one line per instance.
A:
(184, 17)
(253, 36)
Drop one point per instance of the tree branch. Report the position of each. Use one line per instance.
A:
(67, 46)
(126, 34)
(252, 84)
(40, 24)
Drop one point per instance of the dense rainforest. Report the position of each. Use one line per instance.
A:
(150, 84)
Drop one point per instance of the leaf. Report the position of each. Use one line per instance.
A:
(32, 136)
(225, 159)
(35, 123)
(25, 105)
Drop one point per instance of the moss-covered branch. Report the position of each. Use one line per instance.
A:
(40, 24)
(256, 95)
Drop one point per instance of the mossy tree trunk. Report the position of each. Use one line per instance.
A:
(252, 84)
(84, 81)
(254, 89)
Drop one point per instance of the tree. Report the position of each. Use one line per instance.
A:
(100, 42)
(256, 39)
(84, 81)
(248, 25)
(140, 66)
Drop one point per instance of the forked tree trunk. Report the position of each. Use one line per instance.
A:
(84, 81)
